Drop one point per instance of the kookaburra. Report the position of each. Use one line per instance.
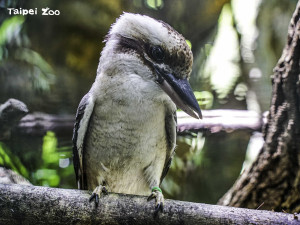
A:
(125, 131)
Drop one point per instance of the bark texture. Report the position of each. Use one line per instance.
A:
(273, 181)
(25, 204)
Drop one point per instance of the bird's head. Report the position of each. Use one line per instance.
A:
(162, 54)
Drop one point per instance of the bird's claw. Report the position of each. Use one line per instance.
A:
(96, 197)
(159, 200)
(97, 194)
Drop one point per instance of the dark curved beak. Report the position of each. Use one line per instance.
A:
(180, 91)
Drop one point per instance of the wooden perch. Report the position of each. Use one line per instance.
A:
(25, 204)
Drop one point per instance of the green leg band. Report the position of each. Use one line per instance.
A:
(156, 189)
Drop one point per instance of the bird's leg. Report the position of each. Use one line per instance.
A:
(159, 198)
(97, 193)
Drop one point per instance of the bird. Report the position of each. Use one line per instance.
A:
(124, 136)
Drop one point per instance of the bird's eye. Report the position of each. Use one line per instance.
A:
(157, 53)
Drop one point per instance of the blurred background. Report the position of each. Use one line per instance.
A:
(50, 62)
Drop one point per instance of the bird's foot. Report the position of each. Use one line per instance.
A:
(159, 199)
(97, 194)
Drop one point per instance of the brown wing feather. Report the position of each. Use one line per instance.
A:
(170, 126)
(78, 148)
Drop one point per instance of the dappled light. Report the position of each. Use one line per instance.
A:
(222, 64)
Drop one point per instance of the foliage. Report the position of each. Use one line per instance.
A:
(56, 164)
(23, 71)
(224, 56)
(55, 168)
(189, 157)
(204, 98)
(9, 160)
(14, 49)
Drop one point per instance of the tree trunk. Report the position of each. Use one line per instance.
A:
(27, 204)
(273, 181)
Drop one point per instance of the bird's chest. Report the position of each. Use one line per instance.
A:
(126, 140)
(127, 134)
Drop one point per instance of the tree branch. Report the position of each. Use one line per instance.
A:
(10, 113)
(215, 121)
(22, 204)
(218, 120)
